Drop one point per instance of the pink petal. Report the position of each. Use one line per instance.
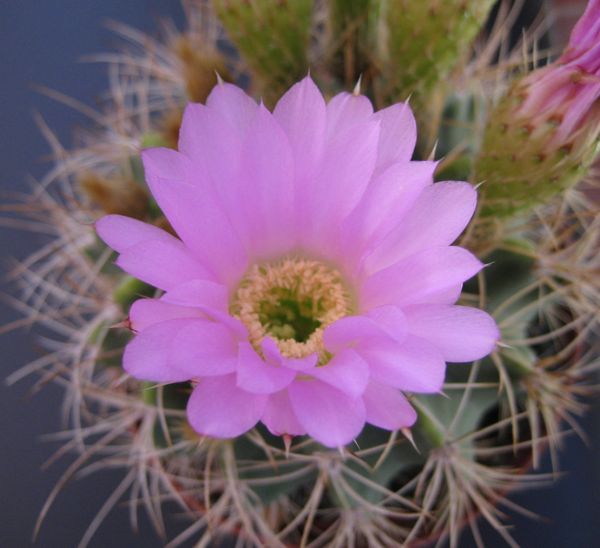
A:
(204, 348)
(587, 29)
(219, 409)
(346, 371)
(166, 164)
(345, 110)
(163, 264)
(146, 312)
(328, 415)
(350, 330)
(198, 293)
(279, 416)
(385, 324)
(391, 320)
(346, 170)
(210, 138)
(579, 109)
(237, 328)
(121, 232)
(210, 298)
(190, 203)
(446, 296)
(437, 218)
(398, 135)
(148, 355)
(387, 407)
(301, 112)
(266, 188)
(416, 278)
(233, 104)
(383, 205)
(461, 333)
(415, 365)
(214, 146)
(258, 377)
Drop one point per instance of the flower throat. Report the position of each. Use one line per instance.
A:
(292, 301)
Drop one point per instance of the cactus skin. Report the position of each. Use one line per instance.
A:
(426, 39)
(353, 39)
(272, 37)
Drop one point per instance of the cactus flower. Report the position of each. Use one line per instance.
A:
(543, 135)
(312, 283)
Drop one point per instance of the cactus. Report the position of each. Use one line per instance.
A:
(470, 445)
(272, 36)
(387, 488)
(353, 39)
(425, 40)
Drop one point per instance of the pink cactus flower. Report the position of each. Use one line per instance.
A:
(313, 281)
(566, 92)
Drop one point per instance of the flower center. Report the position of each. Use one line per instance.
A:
(292, 301)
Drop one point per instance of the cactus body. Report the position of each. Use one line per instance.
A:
(273, 38)
(425, 40)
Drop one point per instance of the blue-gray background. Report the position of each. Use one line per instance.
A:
(40, 43)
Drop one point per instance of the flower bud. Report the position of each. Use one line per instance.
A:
(543, 135)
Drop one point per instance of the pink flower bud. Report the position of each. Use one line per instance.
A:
(565, 93)
(542, 136)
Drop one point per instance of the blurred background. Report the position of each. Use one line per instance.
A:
(41, 43)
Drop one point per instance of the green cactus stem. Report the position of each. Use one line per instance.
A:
(353, 39)
(426, 39)
(272, 37)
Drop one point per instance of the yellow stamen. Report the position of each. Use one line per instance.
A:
(292, 301)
